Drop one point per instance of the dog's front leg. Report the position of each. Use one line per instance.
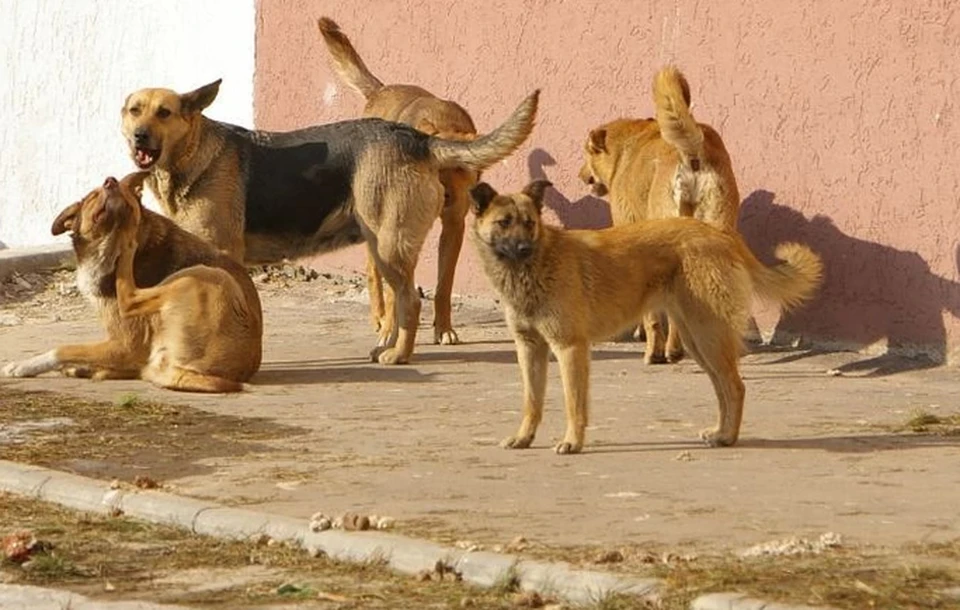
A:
(575, 372)
(107, 355)
(132, 301)
(532, 355)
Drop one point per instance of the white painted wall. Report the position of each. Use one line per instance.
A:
(65, 69)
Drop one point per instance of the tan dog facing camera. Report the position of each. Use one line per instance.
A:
(563, 290)
(177, 312)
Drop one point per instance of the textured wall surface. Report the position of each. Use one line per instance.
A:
(841, 119)
(65, 69)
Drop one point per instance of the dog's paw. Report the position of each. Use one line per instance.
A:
(15, 369)
(391, 355)
(714, 438)
(567, 448)
(445, 336)
(675, 355)
(654, 358)
(516, 442)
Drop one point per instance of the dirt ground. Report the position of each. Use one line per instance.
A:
(825, 446)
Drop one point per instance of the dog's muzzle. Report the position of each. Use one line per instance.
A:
(514, 249)
(145, 154)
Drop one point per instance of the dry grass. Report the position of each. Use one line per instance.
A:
(129, 437)
(924, 422)
(93, 554)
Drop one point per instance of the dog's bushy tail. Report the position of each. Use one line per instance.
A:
(346, 61)
(671, 95)
(485, 150)
(790, 282)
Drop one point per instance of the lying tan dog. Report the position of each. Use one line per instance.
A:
(194, 323)
(564, 289)
(266, 196)
(661, 168)
(428, 113)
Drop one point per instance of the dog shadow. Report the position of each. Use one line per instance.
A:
(870, 292)
(850, 444)
(587, 212)
(309, 372)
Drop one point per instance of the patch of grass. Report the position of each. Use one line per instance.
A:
(507, 583)
(118, 441)
(922, 421)
(128, 400)
(90, 549)
(839, 580)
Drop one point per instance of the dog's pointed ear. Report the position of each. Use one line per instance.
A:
(198, 99)
(66, 219)
(535, 190)
(482, 195)
(134, 182)
(598, 141)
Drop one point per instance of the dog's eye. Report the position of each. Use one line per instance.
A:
(135, 111)
(163, 112)
(504, 222)
(529, 223)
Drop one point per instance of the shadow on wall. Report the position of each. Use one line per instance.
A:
(588, 212)
(871, 292)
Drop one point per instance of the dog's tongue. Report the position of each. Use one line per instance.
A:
(144, 157)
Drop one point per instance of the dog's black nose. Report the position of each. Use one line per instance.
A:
(523, 249)
(141, 135)
(110, 183)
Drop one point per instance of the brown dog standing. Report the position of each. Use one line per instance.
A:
(265, 196)
(428, 113)
(177, 312)
(562, 290)
(661, 168)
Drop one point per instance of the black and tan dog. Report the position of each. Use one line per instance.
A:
(178, 312)
(661, 168)
(432, 115)
(563, 290)
(263, 196)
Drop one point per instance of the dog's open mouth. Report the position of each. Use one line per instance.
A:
(145, 157)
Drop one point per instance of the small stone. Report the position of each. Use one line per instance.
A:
(424, 576)
(834, 373)
(315, 551)
(613, 556)
(116, 512)
(142, 481)
(385, 523)
(527, 599)
(273, 542)
(519, 543)
(320, 525)
(115, 484)
(259, 539)
(468, 602)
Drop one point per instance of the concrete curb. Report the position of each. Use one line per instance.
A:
(29, 260)
(406, 555)
(739, 601)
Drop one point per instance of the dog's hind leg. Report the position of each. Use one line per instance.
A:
(453, 217)
(375, 289)
(173, 377)
(674, 344)
(655, 338)
(715, 345)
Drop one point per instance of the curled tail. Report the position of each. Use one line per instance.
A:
(671, 94)
(485, 150)
(790, 282)
(346, 62)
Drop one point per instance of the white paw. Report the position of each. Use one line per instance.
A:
(13, 369)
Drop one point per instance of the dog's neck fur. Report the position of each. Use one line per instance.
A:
(192, 156)
(515, 281)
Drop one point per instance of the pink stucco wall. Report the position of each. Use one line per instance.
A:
(841, 119)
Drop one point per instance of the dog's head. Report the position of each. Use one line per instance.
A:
(509, 225)
(155, 121)
(604, 148)
(106, 210)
